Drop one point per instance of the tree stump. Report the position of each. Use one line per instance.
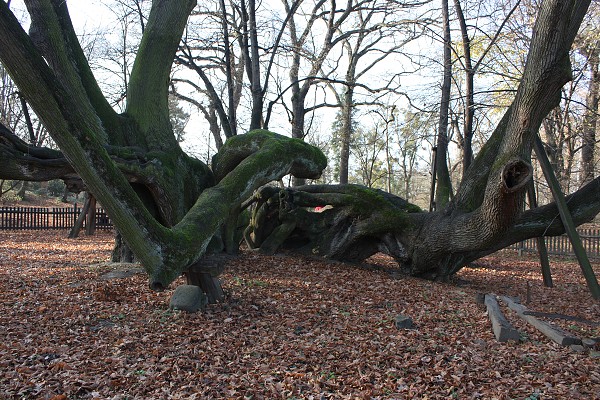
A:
(204, 274)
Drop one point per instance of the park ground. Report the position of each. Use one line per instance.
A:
(290, 328)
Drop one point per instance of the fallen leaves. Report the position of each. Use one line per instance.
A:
(289, 328)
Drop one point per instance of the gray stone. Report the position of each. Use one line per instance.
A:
(404, 322)
(589, 342)
(189, 298)
(578, 348)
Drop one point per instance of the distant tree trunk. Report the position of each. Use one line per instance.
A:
(211, 117)
(553, 127)
(65, 195)
(590, 124)
(298, 91)
(298, 120)
(469, 112)
(22, 194)
(444, 185)
(255, 85)
(346, 132)
(228, 60)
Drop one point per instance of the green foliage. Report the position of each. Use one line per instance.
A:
(10, 198)
(56, 188)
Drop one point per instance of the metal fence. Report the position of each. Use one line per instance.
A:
(561, 245)
(39, 218)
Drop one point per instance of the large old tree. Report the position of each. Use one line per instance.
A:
(172, 210)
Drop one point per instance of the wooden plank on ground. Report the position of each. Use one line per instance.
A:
(552, 332)
(503, 330)
(562, 316)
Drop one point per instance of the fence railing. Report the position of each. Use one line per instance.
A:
(561, 245)
(34, 218)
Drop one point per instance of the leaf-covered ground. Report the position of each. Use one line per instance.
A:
(290, 328)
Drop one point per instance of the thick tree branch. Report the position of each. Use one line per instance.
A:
(106, 113)
(21, 161)
(147, 96)
(545, 220)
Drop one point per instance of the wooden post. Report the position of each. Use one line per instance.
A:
(204, 273)
(79, 223)
(541, 244)
(90, 226)
(566, 218)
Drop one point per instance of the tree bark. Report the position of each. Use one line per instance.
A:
(590, 123)
(443, 189)
(346, 132)
(469, 112)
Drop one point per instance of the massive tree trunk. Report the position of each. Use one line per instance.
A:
(172, 209)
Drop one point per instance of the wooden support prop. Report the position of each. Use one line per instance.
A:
(82, 215)
(90, 218)
(556, 334)
(503, 330)
(567, 219)
(211, 285)
(541, 243)
(562, 316)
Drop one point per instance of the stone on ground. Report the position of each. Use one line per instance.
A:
(189, 298)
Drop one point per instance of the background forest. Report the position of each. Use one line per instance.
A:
(363, 84)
